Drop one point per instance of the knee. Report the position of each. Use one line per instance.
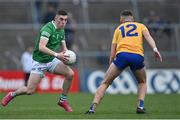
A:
(30, 91)
(70, 75)
(143, 81)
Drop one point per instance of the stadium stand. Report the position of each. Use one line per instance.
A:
(96, 21)
(15, 12)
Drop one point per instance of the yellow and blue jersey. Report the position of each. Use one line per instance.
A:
(129, 50)
(128, 37)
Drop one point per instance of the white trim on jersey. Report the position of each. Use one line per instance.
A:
(54, 24)
(45, 34)
(42, 37)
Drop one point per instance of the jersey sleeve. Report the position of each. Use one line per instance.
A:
(144, 28)
(46, 33)
(115, 36)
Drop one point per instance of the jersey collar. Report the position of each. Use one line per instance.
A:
(54, 25)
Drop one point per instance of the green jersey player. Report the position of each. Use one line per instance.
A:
(46, 58)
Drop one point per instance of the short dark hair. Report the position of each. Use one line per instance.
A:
(61, 12)
(126, 13)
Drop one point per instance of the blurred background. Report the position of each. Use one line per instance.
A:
(89, 33)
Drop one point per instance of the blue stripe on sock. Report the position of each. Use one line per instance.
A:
(92, 107)
(141, 103)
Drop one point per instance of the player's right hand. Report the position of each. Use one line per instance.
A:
(61, 56)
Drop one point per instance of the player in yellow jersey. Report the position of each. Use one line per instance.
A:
(127, 50)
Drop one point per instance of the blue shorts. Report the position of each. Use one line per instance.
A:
(125, 59)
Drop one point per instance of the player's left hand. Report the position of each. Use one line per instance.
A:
(157, 55)
(64, 58)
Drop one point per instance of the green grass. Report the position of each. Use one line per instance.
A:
(43, 106)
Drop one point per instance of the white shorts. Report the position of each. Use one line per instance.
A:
(41, 68)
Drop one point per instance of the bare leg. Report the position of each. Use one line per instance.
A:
(30, 89)
(142, 87)
(68, 73)
(110, 75)
(33, 81)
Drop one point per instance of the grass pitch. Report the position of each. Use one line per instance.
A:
(44, 106)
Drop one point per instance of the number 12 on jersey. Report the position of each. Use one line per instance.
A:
(130, 33)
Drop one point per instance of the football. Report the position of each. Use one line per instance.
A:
(72, 57)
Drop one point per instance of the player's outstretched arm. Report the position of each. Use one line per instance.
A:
(152, 44)
(44, 49)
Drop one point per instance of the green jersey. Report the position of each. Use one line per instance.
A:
(54, 36)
